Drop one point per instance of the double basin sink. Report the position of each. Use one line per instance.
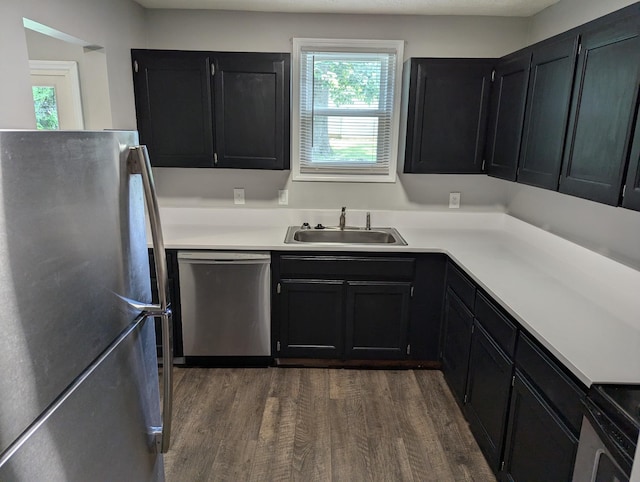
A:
(347, 235)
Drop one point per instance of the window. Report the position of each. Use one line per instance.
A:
(346, 109)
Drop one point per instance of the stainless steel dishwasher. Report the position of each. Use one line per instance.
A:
(226, 306)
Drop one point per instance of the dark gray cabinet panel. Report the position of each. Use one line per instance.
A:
(602, 112)
(251, 110)
(311, 318)
(631, 197)
(173, 107)
(446, 120)
(356, 307)
(508, 100)
(213, 109)
(538, 445)
(488, 391)
(548, 100)
(458, 321)
(377, 320)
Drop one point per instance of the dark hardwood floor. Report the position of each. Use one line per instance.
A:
(271, 424)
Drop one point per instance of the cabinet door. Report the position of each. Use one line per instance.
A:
(458, 321)
(548, 100)
(602, 111)
(448, 101)
(508, 100)
(173, 107)
(538, 445)
(252, 110)
(311, 318)
(377, 321)
(174, 301)
(488, 390)
(631, 197)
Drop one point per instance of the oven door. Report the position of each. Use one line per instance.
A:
(599, 457)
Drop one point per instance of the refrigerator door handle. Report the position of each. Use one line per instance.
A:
(139, 163)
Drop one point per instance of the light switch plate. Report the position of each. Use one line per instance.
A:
(454, 200)
(238, 195)
(283, 196)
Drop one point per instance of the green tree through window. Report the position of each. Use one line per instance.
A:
(44, 101)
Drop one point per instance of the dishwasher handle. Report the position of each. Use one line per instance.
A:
(225, 261)
(223, 257)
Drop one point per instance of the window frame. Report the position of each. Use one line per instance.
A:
(355, 46)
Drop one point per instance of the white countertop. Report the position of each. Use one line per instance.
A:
(584, 307)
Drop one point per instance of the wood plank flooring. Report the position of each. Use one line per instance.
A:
(312, 424)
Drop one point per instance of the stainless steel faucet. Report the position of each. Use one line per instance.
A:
(343, 217)
(368, 225)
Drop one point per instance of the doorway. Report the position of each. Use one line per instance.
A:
(56, 95)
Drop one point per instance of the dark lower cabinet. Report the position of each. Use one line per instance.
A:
(539, 447)
(173, 289)
(377, 320)
(458, 321)
(349, 306)
(447, 116)
(508, 99)
(603, 108)
(548, 99)
(311, 318)
(631, 198)
(487, 394)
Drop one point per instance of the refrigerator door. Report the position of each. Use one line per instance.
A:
(72, 245)
(82, 440)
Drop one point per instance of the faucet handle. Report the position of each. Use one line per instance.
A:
(344, 208)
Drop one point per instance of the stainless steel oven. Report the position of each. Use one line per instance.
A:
(609, 434)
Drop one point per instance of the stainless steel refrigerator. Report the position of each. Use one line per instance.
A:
(79, 388)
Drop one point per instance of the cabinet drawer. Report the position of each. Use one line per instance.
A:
(562, 392)
(501, 329)
(461, 285)
(353, 267)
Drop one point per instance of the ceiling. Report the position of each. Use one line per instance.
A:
(504, 8)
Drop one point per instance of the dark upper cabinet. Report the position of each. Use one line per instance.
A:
(252, 110)
(377, 320)
(173, 107)
(538, 445)
(213, 109)
(547, 112)
(631, 197)
(603, 107)
(508, 99)
(446, 118)
(311, 318)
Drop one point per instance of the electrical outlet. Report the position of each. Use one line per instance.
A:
(454, 200)
(238, 195)
(283, 196)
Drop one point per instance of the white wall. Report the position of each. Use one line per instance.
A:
(249, 31)
(612, 231)
(116, 25)
(567, 14)
(439, 36)
(92, 71)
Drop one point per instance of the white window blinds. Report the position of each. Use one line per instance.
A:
(347, 102)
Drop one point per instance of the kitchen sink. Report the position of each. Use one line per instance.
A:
(348, 235)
